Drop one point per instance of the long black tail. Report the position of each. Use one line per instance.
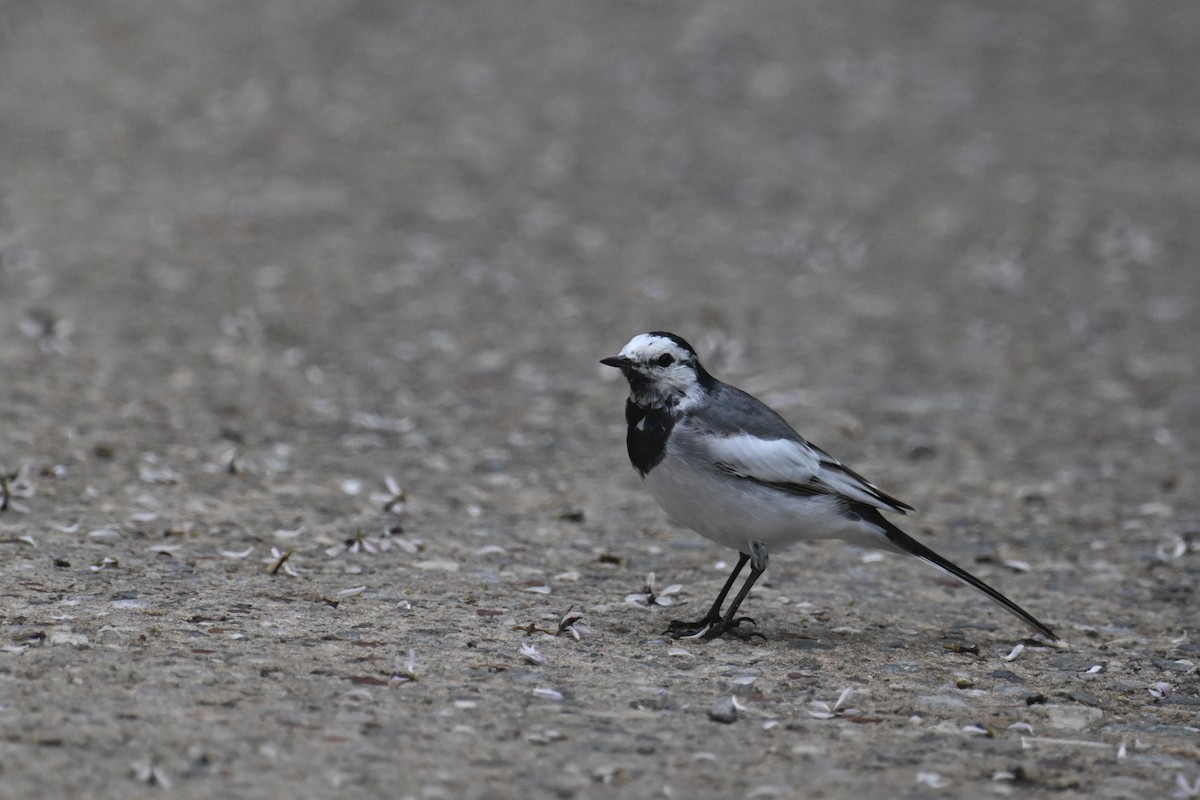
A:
(910, 545)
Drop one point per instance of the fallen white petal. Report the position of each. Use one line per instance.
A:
(104, 534)
(533, 655)
(819, 710)
(237, 554)
(437, 564)
(1159, 690)
(931, 779)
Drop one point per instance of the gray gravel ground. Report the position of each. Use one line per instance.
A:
(258, 257)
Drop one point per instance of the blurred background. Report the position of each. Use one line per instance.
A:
(888, 199)
(957, 236)
(433, 218)
(256, 256)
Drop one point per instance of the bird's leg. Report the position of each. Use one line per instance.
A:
(679, 628)
(731, 623)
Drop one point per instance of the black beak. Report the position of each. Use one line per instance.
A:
(620, 362)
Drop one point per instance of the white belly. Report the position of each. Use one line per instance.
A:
(734, 512)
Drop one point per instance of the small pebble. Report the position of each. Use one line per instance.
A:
(1072, 718)
(723, 711)
(1087, 698)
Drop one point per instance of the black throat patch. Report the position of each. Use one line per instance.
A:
(646, 438)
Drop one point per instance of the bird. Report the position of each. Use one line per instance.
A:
(723, 463)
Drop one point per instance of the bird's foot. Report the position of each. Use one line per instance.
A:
(709, 629)
(679, 629)
(733, 627)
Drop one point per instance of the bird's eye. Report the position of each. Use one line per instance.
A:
(665, 360)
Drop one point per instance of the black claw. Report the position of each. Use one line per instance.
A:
(709, 629)
(713, 624)
(732, 628)
(678, 629)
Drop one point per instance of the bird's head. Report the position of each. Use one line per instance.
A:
(662, 370)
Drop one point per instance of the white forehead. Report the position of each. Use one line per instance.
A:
(647, 346)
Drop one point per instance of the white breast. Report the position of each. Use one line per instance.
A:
(733, 511)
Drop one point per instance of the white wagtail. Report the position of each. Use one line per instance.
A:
(727, 466)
